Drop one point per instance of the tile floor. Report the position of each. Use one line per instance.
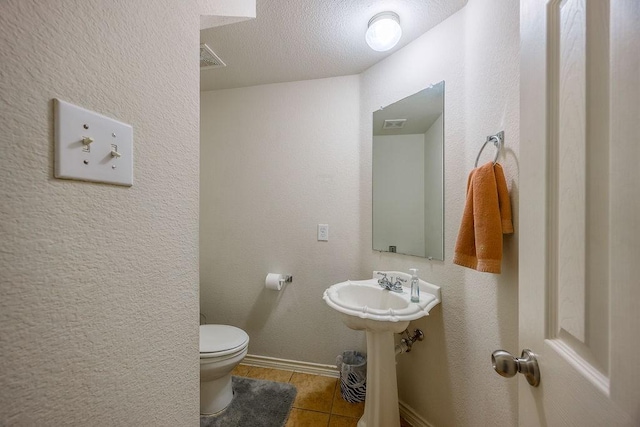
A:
(318, 402)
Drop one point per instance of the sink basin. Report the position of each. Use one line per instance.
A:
(363, 304)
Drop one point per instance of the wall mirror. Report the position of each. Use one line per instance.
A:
(408, 175)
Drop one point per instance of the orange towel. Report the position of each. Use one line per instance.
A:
(486, 217)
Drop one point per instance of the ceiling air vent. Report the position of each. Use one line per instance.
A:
(208, 58)
(394, 124)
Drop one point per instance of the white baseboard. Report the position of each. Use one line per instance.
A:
(291, 365)
(410, 415)
(406, 411)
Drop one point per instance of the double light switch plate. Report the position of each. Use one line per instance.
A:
(91, 147)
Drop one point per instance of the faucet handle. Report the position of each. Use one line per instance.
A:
(384, 280)
(397, 285)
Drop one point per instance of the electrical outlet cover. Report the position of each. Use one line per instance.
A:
(323, 232)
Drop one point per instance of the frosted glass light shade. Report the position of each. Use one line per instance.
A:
(384, 31)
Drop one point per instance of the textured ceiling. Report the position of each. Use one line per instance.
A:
(294, 40)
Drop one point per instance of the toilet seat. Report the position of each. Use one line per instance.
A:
(221, 340)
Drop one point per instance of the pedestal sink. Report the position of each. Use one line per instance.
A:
(365, 305)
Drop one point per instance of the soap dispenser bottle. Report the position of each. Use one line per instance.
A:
(415, 285)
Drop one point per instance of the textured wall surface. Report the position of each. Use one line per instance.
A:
(276, 161)
(448, 378)
(99, 283)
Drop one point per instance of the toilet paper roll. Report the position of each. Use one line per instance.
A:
(274, 281)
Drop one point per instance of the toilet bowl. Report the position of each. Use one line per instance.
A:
(222, 348)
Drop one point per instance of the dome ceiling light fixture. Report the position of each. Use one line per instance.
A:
(384, 31)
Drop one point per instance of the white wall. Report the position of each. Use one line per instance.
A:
(98, 283)
(434, 189)
(276, 160)
(398, 187)
(448, 378)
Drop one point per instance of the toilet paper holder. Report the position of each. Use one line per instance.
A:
(275, 281)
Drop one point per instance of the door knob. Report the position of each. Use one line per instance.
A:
(507, 365)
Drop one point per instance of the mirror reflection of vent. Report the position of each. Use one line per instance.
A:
(208, 58)
(394, 124)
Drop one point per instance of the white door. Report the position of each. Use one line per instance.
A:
(580, 211)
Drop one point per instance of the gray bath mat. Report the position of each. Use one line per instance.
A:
(256, 403)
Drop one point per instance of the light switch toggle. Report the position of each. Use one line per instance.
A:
(86, 140)
(115, 154)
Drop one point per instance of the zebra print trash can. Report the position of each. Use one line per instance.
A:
(353, 376)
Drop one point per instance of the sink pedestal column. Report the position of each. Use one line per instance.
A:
(381, 402)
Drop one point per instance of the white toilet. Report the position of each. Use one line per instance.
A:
(222, 348)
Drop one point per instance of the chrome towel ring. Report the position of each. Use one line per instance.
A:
(498, 142)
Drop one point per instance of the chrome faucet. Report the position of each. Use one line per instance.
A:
(385, 283)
